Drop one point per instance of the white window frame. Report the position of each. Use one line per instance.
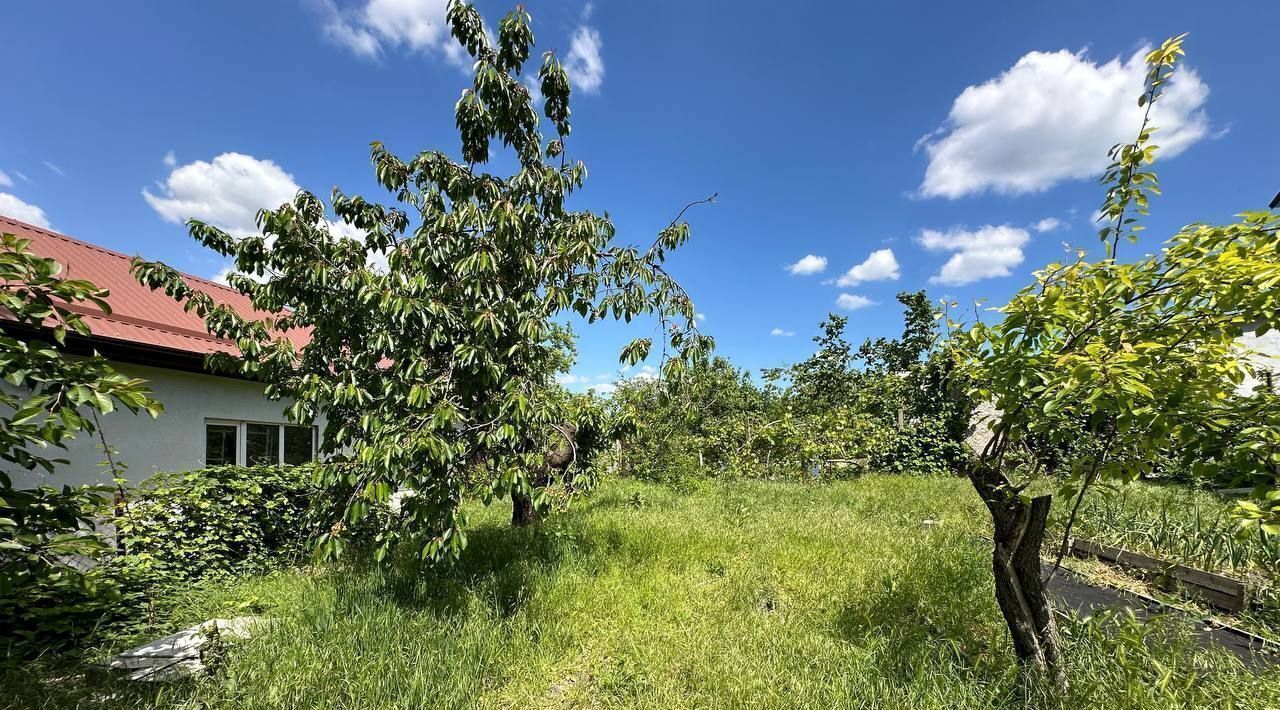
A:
(242, 437)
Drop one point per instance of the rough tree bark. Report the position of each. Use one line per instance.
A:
(560, 458)
(1020, 590)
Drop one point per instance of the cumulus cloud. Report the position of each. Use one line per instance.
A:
(5, 180)
(170, 160)
(646, 372)
(983, 253)
(780, 333)
(372, 26)
(1048, 224)
(1052, 117)
(852, 302)
(880, 266)
(226, 193)
(810, 264)
(584, 65)
(12, 206)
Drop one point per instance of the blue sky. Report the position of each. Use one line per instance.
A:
(961, 137)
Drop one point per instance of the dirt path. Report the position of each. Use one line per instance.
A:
(1084, 598)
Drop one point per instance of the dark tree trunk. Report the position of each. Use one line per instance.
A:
(560, 457)
(523, 511)
(1020, 590)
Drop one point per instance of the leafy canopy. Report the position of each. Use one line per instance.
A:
(1143, 355)
(428, 369)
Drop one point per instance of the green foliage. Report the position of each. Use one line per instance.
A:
(755, 594)
(1140, 358)
(45, 600)
(51, 397)
(889, 406)
(433, 364)
(217, 521)
(1182, 525)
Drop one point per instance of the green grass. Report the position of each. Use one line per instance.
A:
(764, 595)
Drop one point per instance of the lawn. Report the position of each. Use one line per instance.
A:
(753, 594)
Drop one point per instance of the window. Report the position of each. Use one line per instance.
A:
(299, 444)
(262, 444)
(228, 443)
(220, 444)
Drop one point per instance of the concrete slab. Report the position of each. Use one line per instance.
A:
(178, 655)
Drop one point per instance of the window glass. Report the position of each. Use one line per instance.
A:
(262, 444)
(297, 444)
(219, 444)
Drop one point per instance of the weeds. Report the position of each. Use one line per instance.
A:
(765, 595)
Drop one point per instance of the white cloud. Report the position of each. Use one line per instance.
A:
(852, 302)
(1052, 117)
(881, 265)
(11, 206)
(984, 253)
(1048, 224)
(373, 26)
(584, 65)
(700, 317)
(24, 178)
(782, 333)
(5, 180)
(647, 372)
(810, 264)
(170, 160)
(54, 168)
(226, 193)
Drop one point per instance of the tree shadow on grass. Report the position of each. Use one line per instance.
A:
(498, 573)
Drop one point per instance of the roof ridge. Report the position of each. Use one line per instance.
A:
(109, 252)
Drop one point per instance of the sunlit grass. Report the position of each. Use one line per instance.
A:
(751, 595)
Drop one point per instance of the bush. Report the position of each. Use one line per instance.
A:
(178, 528)
(46, 534)
(218, 521)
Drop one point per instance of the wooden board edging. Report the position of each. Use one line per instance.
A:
(1218, 589)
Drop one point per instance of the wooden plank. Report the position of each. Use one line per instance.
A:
(1218, 589)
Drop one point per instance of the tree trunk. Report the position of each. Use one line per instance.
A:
(562, 454)
(523, 512)
(1020, 591)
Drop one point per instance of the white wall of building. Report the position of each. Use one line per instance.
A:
(1266, 356)
(174, 441)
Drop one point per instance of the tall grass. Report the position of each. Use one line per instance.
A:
(765, 595)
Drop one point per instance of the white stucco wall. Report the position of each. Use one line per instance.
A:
(1267, 356)
(175, 440)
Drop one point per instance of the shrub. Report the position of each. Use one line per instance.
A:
(44, 597)
(218, 521)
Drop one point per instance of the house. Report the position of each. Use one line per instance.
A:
(208, 419)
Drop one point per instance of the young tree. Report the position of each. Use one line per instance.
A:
(428, 370)
(1143, 355)
(827, 378)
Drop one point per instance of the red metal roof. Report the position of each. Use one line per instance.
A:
(139, 316)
